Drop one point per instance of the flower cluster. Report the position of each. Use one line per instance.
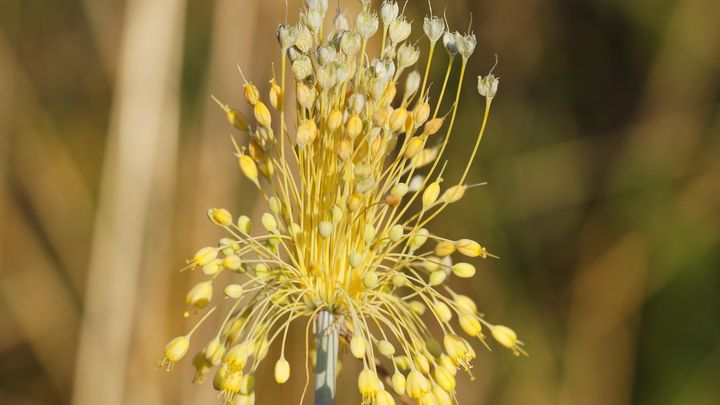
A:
(351, 175)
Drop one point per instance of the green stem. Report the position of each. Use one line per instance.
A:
(327, 352)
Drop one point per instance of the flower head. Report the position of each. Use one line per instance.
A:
(352, 179)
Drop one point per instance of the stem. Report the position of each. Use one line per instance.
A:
(327, 352)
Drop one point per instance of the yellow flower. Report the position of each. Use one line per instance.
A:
(351, 176)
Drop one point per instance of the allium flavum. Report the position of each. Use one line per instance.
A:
(352, 175)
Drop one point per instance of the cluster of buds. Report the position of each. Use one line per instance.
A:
(351, 178)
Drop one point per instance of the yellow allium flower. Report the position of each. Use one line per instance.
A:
(352, 178)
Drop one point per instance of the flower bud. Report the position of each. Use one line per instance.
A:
(398, 383)
(252, 95)
(430, 195)
(325, 229)
(444, 248)
(505, 336)
(395, 233)
(358, 346)
(397, 119)
(233, 291)
(464, 270)
(177, 348)
(465, 303)
(220, 216)
(417, 307)
(268, 222)
(470, 324)
(413, 147)
(368, 383)
(470, 248)
(247, 385)
(454, 193)
(204, 256)
(353, 128)
(334, 119)
(442, 311)
(437, 277)
(275, 95)
(433, 126)
(200, 294)
(417, 385)
(412, 83)
(444, 379)
(306, 133)
(244, 224)
(418, 239)
(386, 348)
(282, 371)
(370, 279)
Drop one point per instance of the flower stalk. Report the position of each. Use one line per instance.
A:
(327, 353)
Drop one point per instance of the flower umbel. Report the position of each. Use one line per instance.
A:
(352, 178)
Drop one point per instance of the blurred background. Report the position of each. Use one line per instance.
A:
(602, 159)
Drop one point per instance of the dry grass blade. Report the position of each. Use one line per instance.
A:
(145, 113)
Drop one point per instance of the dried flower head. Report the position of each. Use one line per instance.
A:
(352, 178)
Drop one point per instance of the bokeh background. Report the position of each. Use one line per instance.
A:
(603, 198)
